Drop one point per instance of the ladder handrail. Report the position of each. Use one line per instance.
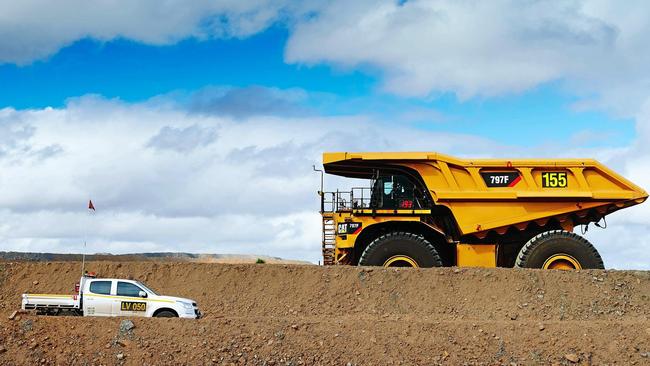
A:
(329, 239)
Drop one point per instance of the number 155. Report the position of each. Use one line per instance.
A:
(554, 180)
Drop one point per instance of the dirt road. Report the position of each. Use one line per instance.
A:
(292, 315)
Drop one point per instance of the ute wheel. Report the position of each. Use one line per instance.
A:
(559, 249)
(400, 249)
(166, 314)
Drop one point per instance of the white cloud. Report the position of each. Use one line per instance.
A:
(250, 190)
(597, 49)
(249, 101)
(242, 185)
(487, 48)
(183, 139)
(33, 29)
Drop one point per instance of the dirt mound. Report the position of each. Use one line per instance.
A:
(285, 314)
(145, 257)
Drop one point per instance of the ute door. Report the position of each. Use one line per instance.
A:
(97, 300)
(129, 300)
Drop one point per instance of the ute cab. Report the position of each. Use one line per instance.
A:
(111, 297)
(425, 209)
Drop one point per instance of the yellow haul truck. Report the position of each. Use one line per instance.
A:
(430, 209)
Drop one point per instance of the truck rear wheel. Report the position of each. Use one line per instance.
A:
(559, 249)
(400, 249)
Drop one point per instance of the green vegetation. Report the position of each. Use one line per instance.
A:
(260, 261)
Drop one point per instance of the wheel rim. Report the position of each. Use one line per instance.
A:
(401, 261)
(562, 262)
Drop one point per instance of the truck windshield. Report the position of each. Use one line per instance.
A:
(148, 289)
(395, 192)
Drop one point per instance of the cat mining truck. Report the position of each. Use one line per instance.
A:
(430, 210)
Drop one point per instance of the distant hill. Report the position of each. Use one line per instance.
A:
(135, 257)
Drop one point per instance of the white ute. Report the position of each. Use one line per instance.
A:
(112, 297)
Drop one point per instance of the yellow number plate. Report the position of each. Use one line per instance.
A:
(554, 180)
(133, 306)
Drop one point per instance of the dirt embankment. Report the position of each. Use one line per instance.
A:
(284, 314)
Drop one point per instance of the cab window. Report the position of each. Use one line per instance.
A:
(100, 287)
(396, 192)
(128, 289)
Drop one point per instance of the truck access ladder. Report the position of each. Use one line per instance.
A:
(329, 238)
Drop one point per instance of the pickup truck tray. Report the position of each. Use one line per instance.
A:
(49, 301)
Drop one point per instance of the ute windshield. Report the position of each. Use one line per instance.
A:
(147, 288)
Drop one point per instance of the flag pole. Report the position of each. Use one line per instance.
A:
(83, 258)
(91, 210)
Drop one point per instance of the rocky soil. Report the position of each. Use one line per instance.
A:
(309, 315)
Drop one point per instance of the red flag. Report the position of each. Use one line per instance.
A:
(90, 205)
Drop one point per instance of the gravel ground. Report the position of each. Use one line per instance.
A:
(293, 315)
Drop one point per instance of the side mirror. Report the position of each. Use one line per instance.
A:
(142, 294)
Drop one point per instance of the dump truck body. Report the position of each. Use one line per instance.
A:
(474, 211)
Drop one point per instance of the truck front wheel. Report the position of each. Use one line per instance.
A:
(400, 249)
(166, 314)
(559, 249)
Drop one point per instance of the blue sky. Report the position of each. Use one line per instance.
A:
(179, 119)
(134, 72)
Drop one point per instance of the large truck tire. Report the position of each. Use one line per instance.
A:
(559, 249)
(400, 249)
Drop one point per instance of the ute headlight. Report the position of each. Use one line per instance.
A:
(186, 305)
